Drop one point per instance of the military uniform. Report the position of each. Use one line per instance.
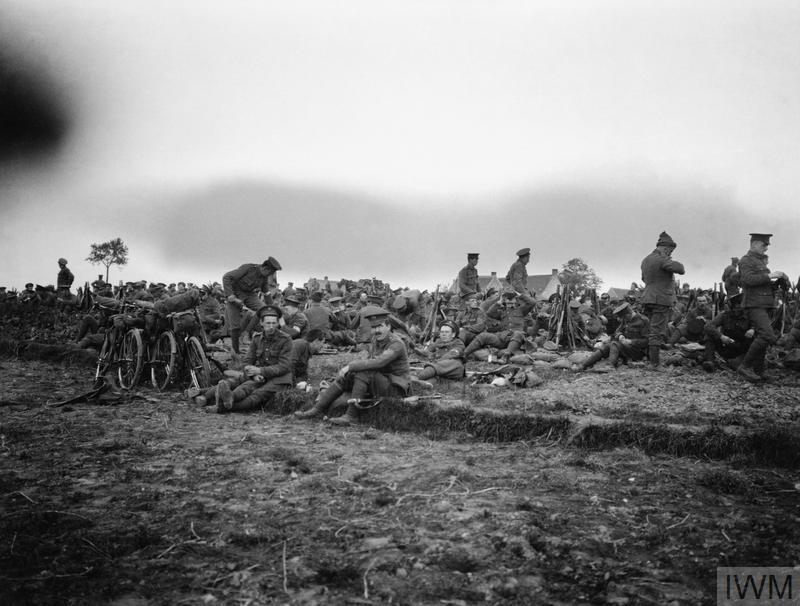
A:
(443, 359)
(242, 286)
(468, 278)
(385, 373)
(658, 274)
(758, 299)
(517, 277)
(64, 280)
(505, 329)
(630, 341)
(733, 324)
(273, 357)
(731, 278)
(472, 322)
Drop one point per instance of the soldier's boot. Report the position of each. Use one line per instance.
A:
(473, 346)
(421, 378)
(224, 397)
(349, 417)
(752, 360)
(613, 355)
(654, 356)
(708, 357)
(323, 402)
(235, 334)
(593, 359)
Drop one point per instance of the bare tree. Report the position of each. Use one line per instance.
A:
(113, 252)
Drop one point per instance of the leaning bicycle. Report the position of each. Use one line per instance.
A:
(177, 356)
(122, 350)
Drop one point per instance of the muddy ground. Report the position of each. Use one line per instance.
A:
(624, 488)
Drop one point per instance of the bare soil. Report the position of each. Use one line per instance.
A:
(141, 498)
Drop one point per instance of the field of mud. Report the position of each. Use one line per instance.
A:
(625, 487)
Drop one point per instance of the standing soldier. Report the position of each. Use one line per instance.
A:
(517, 276)
(730, 277)
(758, 289)
(64, 280)
(468, 277)
(241, 287)
(658, 274)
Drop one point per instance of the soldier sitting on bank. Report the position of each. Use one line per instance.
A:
(443, 358)
(385, 373)
(629, 343)
(729, 334)
(267, 370)
(506, 325)
(472, 319)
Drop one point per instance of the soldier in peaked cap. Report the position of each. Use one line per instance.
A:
(730, 277)
(241, 287)
(758, 300)
(517, 276)
(658, 274)
(64, 280)
(267, 369)
(384, 374)
(468, 277)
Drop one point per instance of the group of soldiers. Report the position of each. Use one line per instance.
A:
(442, 331)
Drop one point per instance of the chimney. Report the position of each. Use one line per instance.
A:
(555, 272)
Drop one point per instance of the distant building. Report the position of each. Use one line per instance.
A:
(618, 294)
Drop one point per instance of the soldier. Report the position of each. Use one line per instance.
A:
(295, 324)
(472, 320)
(289, 290)
(468, 277)
(241, 286)
(506, 325)
(728, 334)
(384, 374)
(730, 277)
(443, 358)
(628, 343)
(658, 274)
(517, 276)
(64, 280)
(692, 322)
(758, 289)
(268, 370)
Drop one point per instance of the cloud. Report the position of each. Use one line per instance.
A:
(315, 231)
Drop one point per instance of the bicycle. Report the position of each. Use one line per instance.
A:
(179, 354)
(123, 349)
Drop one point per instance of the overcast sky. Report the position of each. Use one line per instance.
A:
(388, 139)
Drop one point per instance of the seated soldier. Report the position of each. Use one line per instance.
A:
(472, 319)
(295, 324)
(691, 326)
(629, 342)
(267, 371)
(506, 325)
(384, 374)
(443, 358)
(729, 334)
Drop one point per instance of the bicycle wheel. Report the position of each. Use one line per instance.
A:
(164, 361)
(131, 359)
(103, 360)
(197, 363)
